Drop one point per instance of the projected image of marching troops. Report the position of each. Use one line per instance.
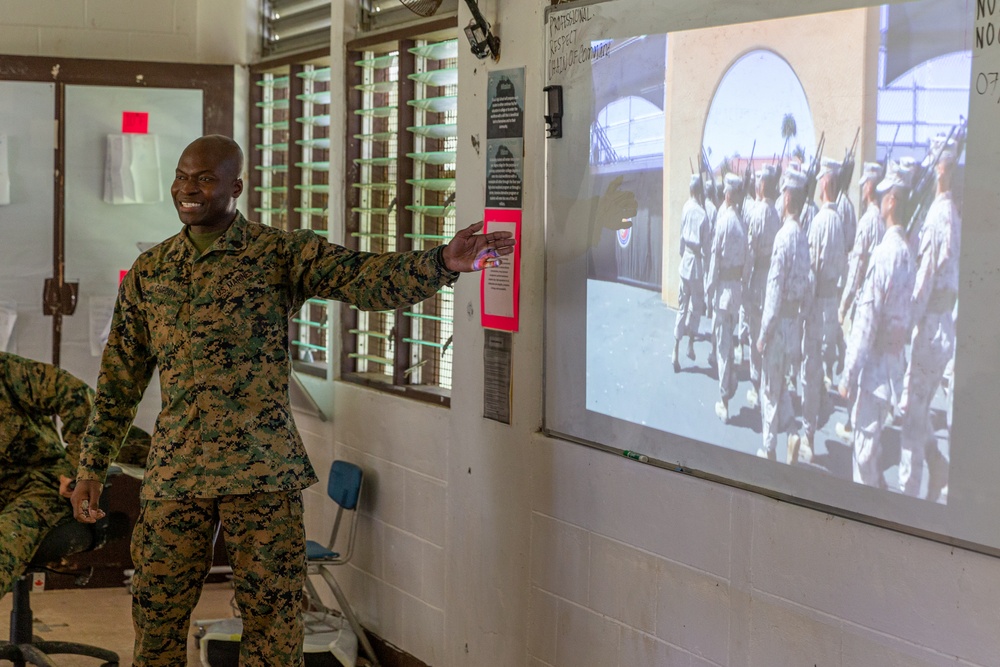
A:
(788, 293)
(874, 367)
(762, 224)
(821, 330)
(932, 344)
(696, 241)
(832, 304)
(726, 265)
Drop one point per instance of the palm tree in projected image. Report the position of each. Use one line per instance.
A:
(788, 130)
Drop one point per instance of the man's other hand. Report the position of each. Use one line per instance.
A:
(85, 499)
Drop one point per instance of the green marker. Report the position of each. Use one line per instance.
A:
(636, 456)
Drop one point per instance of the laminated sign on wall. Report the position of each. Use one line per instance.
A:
(132, 169)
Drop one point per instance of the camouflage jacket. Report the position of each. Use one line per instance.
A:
(874, 360)
(32, 393)
(216, 326)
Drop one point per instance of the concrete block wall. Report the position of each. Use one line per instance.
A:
(669, 570)
(396, 580)
(203, 31)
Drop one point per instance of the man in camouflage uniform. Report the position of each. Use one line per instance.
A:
(695, 242)
(874, 366)
(933, 343)
(828, 258)
(727, 263)
(787, 294)
(210, 308)
(35, 469)
(762, 224)
(712, 211)
(871, 227)
(33, 462)
(804, 216)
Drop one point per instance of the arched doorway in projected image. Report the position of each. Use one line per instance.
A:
(747, 115)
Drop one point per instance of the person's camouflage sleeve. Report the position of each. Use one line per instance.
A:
(36, 392)
(216, 327)
(126, 368)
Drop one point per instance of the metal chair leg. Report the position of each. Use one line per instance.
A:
(73, 648)
(33, 656)
(349, 613)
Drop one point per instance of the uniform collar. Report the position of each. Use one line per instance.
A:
(898, 230)
(234, 239)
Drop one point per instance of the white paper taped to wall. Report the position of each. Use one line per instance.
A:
(8, 318)
(132, 169)
(4, 172)
(102, 308)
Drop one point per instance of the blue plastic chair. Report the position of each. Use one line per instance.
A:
(344, 488)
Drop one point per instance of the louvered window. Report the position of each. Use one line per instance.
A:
(294, 26)
(402, 192)
(290, 179)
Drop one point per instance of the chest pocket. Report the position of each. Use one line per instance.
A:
(167, 307)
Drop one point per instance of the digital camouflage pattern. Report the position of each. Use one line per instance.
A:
(874, 364)
(932, 345)
(172, 551)
(216, 326)
(32, 456)
(695, 245)
(762, 223)
(788, 292)
(828, 257)
(726, 266)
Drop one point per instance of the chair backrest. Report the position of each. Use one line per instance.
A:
(344, 488)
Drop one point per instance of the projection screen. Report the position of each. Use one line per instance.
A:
(841, 355)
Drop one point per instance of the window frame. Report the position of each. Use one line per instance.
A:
(291, 66)
(401, 41)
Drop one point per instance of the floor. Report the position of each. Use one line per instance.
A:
(102, 617)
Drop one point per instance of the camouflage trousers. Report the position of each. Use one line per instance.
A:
(753, 315)
(818, 341)
(868, 417)
(723, 328)
(775, 401)
(26, 517)
(932, 348)
(172, 552)
(690, 306)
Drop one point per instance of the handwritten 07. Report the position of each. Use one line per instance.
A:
(986, 83)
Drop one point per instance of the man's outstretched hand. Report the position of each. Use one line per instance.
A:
(469, 251)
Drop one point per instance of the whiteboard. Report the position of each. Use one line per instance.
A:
(27, 110)
(645, 90)
(103, 239)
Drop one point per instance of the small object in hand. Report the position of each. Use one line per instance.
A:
(85, 508)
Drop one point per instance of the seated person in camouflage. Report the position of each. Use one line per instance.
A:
(35, 468)
(210, 308)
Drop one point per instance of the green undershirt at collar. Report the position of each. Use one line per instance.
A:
(203, 242)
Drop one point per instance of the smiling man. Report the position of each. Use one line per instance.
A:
(210, 308)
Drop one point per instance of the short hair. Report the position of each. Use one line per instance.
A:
(796, 201)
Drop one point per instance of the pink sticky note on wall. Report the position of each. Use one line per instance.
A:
(135, 122)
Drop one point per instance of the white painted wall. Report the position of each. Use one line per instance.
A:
(201, 31)
(492, 546)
